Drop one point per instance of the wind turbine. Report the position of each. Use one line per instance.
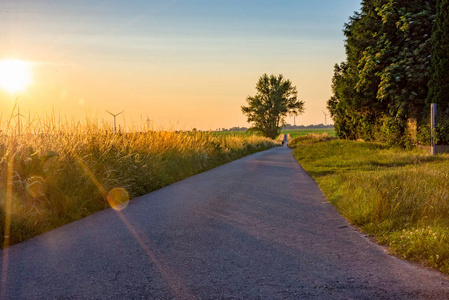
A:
(114, 115)
(18, 118)
(148, 123)
(325, 118)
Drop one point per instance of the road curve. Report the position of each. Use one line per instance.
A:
(256, 228)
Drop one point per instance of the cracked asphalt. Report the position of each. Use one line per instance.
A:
(256, 228)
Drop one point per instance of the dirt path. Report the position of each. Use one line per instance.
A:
(256, 228)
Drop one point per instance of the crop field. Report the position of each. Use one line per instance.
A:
(400, 197)
(293, 132)
(233, 133)
(54, 174)
(300, 132)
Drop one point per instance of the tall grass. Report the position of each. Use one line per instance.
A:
(57, 172)
(400, 197)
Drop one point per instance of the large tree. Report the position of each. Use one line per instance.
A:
(276, 98)
(439, 82)
(383, 81)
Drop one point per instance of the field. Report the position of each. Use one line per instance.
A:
(300, 132)
(232, 133)
(54, 174)
(399, 197)
(293, 132)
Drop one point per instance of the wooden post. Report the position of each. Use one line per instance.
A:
(433, 113)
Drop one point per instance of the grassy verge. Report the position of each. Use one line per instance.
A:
(399, 197)
(51, 178)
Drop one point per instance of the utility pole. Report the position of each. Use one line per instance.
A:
(433, 113)
(115, 115)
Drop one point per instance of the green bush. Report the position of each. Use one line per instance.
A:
(391, 131)
(442, 128)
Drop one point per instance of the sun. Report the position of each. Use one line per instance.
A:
(15, 75)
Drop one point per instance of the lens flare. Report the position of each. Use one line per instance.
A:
(118, 198)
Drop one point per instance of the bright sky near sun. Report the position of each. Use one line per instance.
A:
(181, 63)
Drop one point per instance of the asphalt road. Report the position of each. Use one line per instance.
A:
(256, 228)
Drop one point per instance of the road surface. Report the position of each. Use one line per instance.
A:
(256, 228)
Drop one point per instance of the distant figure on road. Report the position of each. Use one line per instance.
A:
(285, 140)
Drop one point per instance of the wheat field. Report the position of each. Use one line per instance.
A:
(56, 172)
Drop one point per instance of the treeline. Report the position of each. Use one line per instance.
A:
(286, 126)
(313, 126)
(396, 65)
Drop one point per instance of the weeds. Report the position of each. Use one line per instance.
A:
(427, 244)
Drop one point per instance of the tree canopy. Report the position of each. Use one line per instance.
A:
(384, 80)
(275, 98)
(439, 82)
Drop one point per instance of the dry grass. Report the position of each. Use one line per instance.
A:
(57, 172)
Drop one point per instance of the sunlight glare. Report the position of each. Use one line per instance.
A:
(118, 198)
(14, 75)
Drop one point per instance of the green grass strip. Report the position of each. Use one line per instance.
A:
(401, 197)
(301, 132)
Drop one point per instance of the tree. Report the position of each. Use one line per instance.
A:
(383, 81)
(407, 41)
(353, 106)
(439, 82)
(276, 98)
